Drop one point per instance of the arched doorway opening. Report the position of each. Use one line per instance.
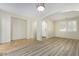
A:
(44, 29)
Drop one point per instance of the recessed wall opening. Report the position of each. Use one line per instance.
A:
(18, 28)
(44, 29)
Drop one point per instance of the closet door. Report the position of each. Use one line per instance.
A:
(18, 29)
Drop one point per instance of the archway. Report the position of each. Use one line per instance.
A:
(44, 29)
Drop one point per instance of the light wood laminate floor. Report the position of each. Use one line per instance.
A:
(47, 47)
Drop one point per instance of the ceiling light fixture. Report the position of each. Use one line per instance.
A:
(40, 7)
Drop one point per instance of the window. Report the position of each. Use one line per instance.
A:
(72, 26)
(62, 26)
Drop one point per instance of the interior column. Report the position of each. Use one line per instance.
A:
(39, 29)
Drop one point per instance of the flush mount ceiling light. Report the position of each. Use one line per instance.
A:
(40, 7)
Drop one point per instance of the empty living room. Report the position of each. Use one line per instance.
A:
(39, 29)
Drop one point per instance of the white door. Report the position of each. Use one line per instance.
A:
(18, 29)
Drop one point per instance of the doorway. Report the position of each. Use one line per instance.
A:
(44, 29)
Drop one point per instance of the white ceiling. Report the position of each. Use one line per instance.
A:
(63, 15)
(53, 10)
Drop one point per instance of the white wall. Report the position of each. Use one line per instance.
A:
(33, 30)
(72, 35)
(29, 29)
(18, 28)
(0, 28)
(5, 27)
(50, 29)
